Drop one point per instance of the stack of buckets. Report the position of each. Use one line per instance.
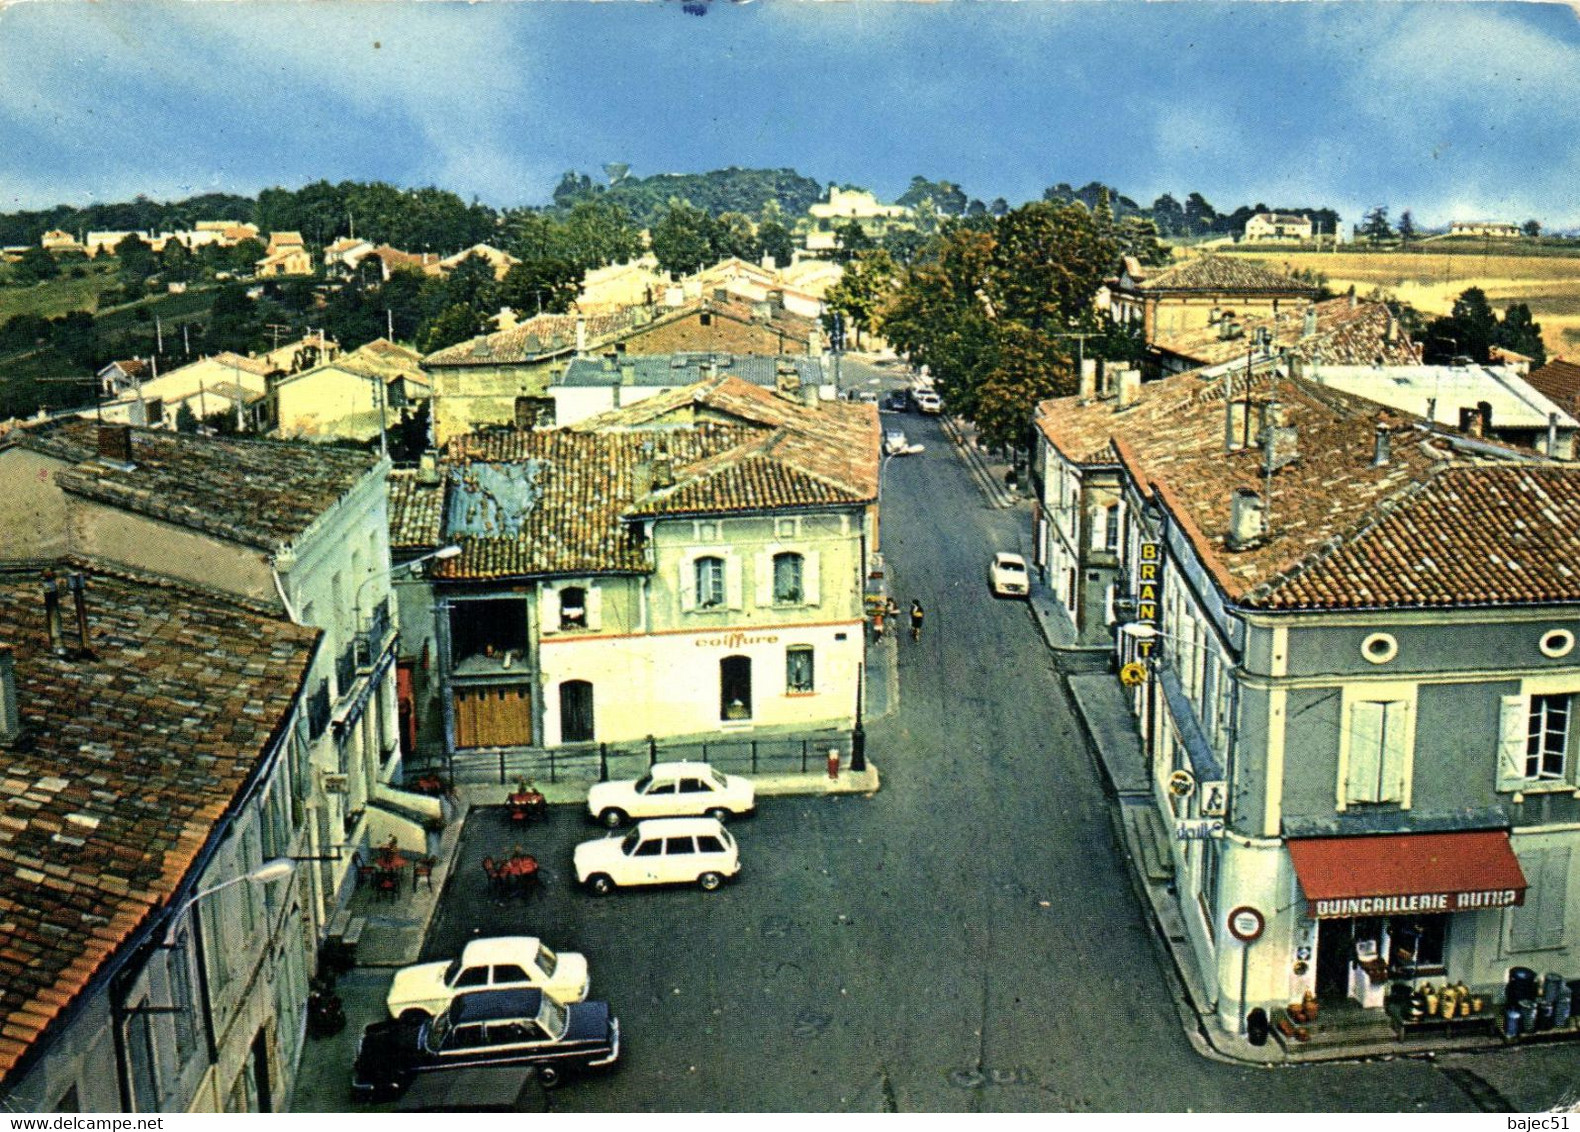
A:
(1531, 1007)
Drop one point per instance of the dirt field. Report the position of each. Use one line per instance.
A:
(1549, 284)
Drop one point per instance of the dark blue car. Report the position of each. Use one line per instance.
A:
(519, 1027)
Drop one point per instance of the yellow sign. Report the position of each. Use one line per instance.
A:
(1133, 675)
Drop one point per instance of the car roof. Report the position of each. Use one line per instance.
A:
(489, 1005)
(677, 827)
(1006, 556)
(499, 947)
(688, 766)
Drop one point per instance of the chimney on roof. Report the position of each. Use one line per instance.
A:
(78, 585)
(1552, 434)
(1129, 387)
(1247, 516)
(1391, 330)
(628, 373)
(581, 335)
(115, 443)
(1088, 379)
(1354, 302)
(427, 469)
(609, 360)
(57, 637)
(663, 471)
(10, 714)
(1381, 445)
(1308, 326)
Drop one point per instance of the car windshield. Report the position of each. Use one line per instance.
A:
(1012, 567)
(451, 972)
(643, 783)
(718, 779)
(547, 960)
(553, 1018)
(628, 843)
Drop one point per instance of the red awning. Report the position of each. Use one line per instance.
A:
(1404, 873)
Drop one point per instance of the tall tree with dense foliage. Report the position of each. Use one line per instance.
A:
(864, 291)
(1374, 226)
(1407, 229)
(682, 239)
(850, 241)
(34, 266)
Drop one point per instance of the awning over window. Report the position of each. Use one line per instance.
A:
(1404, 873)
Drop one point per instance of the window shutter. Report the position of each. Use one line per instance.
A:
(688, 583)
(1365, 752)
(1550, 912)
(1396, 751)
(732, 582)
(763, 594)
(811, 592)
(1512, 723)
(594, 607)
(549, 608)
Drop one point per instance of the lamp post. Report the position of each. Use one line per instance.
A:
(432, 556)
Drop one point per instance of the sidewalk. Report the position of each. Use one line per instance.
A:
(987, 470)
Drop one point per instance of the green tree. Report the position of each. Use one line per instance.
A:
(681, 239)
(186, 419)
(1374, 226)
(863, 291)
(540, 286)
(850, 240)
(1199, 215)
(1169, 215)
(455, 323)
(1469, 330)
(904, 245)
(1532, 228)
(1407, 230)
(734, 235)
(245, 255)
(177, 263)
(34, 266)
(135, 260)
(1521, 333)
(777, 242)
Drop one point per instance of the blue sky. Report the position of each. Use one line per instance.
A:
(1453, 110)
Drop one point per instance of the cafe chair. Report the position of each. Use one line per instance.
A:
(422, 870)
(491, 871)
(366, 873)
(388, 883)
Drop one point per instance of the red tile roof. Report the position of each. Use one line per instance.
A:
(1228, 274)
(1343, 334)
(1560, 381)
(130, 758)
(1434, 526)
(416, 510)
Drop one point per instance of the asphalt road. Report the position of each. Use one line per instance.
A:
(965, 940)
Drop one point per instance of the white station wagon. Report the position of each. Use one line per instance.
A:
(672, 790)
(499, 963)
(660, 851)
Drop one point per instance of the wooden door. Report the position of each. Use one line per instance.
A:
(499, 716)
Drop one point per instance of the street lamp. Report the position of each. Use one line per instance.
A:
(267, 873)
(432, 556)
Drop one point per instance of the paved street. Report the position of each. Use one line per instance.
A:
(965, 940)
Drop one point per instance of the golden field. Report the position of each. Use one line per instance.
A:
(1548, 284)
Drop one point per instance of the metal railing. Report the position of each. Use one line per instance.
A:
(599, 762)
(372, 639)
(345, 670)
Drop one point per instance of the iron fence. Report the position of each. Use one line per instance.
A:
(599, 762)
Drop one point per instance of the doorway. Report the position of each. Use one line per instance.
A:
(1335, 948)
(576, 712)
(735, 687)
(260, 1073)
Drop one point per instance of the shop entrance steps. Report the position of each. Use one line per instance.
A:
(1339, 1024)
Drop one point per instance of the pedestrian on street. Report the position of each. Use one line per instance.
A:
(916, 620)
(877, 625)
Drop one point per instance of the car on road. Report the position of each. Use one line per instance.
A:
(696, 851)
(929, 402)
(1007, 576)
(672, 790)
(500, 962)
(483, 1028)
(895, 442)
(899, 401)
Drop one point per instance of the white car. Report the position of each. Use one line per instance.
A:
(672, 790)
(499, 963)
(895, 442)
(929, 402)
(660, 851)
(1007, 576)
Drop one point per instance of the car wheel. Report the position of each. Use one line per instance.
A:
(710, 881)
(612, 818)
(719, 814)
(600, 884)
(414, 1014)
(548, 1076)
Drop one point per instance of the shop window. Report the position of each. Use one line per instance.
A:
(798, 669)
(1547, 738)
(1538, 924)
(735, 688)
(709, 573)
(1379, 751)
(1417, 944)
(788, 569)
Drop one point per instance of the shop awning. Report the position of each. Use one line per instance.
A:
(1404, 873)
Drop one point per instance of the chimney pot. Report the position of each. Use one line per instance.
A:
(79, 596)
(10, 714)
(1246, 518)
(1088, 378)
(1129, 387)
(115, 442)
(1381, 447)
(57, 640)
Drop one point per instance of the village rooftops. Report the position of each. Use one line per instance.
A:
(1558, 380)
(1439, 393)
(130, 755)
(416, 510)
(1213, 274)
(1372, 511)
(261, 493)
(668, 371)
(569, 501)
(1338, 332)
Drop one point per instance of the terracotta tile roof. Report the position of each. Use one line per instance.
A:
(131, 756)
(1344, 531)
(538, 338)
(1558, 380)
(416, 511)
(258, 492)
(1230, 274)
(562, 501)
(1342, 335)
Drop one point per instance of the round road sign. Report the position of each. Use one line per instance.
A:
(1246, 924)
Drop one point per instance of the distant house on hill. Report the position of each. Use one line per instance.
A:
(1201, 291)
(1493, 228)
(286, 255)
(1271, 226)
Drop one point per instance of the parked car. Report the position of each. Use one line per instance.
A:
(660, 851)
(1007, 576)
(501, 962)
(929, 402)
(672, 790)
(894, 442)
(898, 401)
(486, 1028)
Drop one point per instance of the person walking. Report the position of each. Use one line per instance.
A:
(916, 620)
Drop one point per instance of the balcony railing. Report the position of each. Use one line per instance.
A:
(318, 710)
(375, 634)
(346, 669)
